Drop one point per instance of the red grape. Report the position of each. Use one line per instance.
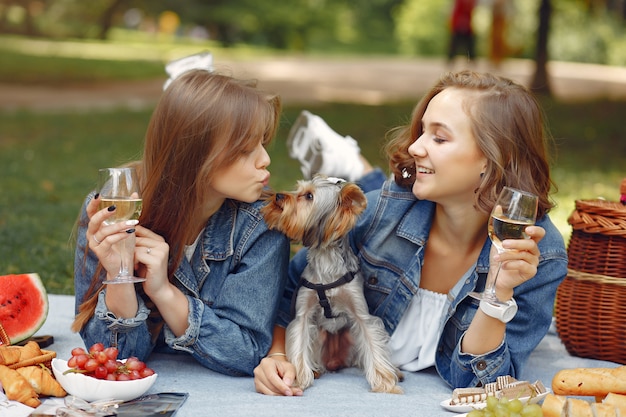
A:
(111, 352)
(111, 366)
(101, 357)
(134, 364)
(102, 363)
(100, 372)
(81, 360)
(122, 377)
(72, 362)
(96, 347)
(78, 351)
(91, 365)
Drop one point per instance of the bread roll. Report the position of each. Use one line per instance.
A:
(618, 401)
(577, 408)
(553, 405)
(603, 410)
(593, 382)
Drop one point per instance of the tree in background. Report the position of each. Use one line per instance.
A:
(580, 30)
(540, 82)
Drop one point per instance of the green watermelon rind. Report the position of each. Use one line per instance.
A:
(8, 285)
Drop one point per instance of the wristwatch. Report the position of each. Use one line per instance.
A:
(503, 312)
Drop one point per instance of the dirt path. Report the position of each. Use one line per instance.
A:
(309, 80)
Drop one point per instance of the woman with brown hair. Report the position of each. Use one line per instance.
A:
(422, 242)
(214, 272)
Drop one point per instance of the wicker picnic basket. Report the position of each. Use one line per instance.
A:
(590, 316)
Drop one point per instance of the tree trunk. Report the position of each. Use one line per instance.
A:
(106, 20)
(541, 81)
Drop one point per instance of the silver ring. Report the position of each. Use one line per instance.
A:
(149, 250)
(96, 239)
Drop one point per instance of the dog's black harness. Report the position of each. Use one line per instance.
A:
(321, 292)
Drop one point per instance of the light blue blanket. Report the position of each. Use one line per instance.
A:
(339, 394)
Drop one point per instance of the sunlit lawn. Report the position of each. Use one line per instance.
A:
(48, 161)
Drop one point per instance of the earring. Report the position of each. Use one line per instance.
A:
(405, 173)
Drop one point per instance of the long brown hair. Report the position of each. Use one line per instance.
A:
(508, 124)
(203, 122)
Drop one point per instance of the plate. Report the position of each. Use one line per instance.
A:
(466, 408)
(92, 389)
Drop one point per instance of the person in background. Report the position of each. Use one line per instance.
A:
(499, 48)
(422, 242)
(462, 38)
(214, 271)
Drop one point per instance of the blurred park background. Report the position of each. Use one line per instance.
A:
(78, 81)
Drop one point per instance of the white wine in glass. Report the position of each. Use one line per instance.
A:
(119, 187)
(513, 212)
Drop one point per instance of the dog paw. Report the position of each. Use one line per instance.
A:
(387, 381)
(388, 389)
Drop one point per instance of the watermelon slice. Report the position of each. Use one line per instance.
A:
(23, 305)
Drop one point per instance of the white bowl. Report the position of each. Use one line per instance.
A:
(92, 389)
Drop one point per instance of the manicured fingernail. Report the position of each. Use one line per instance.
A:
(111, 208)
(129, 231)
(131, 222)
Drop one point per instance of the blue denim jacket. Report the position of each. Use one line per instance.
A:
(389, 241)
(233, 284)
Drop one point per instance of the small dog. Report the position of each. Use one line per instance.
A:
(329, 300)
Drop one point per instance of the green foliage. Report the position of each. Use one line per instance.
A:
(581, 30)
(581, 36)
(422, 27)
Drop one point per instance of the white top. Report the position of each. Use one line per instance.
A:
(190, 249)
(414, 342)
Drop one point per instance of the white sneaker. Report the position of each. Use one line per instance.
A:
(202, 60)
(319, 149)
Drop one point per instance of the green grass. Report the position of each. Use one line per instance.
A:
(48, 162)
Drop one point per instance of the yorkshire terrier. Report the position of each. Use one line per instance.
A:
(329, 301)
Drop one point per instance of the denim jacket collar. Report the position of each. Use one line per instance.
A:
(221, 224)
(192, 274)
(413, 228)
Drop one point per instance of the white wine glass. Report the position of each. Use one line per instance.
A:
(513, 212)
(119, 187)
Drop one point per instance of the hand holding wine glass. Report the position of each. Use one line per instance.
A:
(119, 187)
(512, 213)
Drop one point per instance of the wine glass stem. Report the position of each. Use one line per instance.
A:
(127, 250)
(490, 291)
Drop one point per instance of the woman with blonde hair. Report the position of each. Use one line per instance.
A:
(422, 242)
(213, 270)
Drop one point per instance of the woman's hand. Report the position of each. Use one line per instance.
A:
(151, 260)
(275, 376)
(519, 261)
(101, 238)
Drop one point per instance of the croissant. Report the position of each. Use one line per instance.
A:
(30, 350)
(17, 388)
(9, 354)
(42, 381)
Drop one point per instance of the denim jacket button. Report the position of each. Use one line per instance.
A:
(372, 280)
(481, 366)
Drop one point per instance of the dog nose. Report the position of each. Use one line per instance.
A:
(280, 197)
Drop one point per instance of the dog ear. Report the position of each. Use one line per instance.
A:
(353, 198)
